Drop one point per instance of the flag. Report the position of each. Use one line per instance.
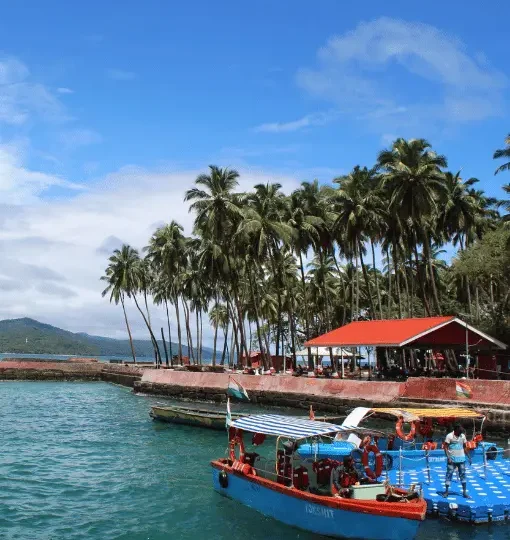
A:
(312, 414)
(228, 420)
(463, 390)
(237, 390)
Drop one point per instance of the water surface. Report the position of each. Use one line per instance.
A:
(84, 461)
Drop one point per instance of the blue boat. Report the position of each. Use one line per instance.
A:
(284, 488)
(417, 449)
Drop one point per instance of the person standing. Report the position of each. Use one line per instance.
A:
(455, 450)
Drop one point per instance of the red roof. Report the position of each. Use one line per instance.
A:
(424, 331)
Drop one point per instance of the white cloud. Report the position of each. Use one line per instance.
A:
(120, 75)
(21, 97)
(53, 252)
(20, 185)
(75, 138)
(64, 90)
(309, 120)
(354, 72)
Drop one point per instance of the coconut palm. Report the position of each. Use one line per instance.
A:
(503, 153)
(119, 275)
(414, 184)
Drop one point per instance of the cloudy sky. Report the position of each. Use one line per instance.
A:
(109, 111)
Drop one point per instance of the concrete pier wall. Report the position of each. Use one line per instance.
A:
(68, 371)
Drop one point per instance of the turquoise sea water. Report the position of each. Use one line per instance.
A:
(84, 461)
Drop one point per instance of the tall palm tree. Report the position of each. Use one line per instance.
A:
(413, 181)
(167, 252)
(119, 276)
(356, 204)
(503, 153)
(263, 225)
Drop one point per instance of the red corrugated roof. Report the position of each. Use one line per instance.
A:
(394, 332)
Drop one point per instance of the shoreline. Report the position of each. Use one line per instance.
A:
(327, 395)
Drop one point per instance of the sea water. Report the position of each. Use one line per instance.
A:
(85, 461)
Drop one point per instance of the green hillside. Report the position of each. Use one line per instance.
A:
(28, 336)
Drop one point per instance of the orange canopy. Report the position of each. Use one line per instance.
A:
(426, 332)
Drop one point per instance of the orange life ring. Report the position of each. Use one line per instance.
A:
(400, 432)
(425, 428)
(478, 438)
(237, 440)
(378, 461)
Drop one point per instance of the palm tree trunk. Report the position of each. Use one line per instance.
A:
(367, 280)
(225, 344)
(376, 280)
(164, 346)
(153, 339)
(128, 328)
(305, 300)
(390, 299)
(191, 352)
(397, 279)
(255, 301)
(426, 252)
(357, 287)
(154, 344)
(214, 343)
(179, 333)
(420, 279)
(169, 334)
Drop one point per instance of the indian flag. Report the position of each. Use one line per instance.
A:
(237, 390)
(463, 390)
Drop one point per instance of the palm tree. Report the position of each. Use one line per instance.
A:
(264, 228)
(119, 276)
(414, 184)
(166, 251)
(218, 212)
(503, 153)
(356, 204)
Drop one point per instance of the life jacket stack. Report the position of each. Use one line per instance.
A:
(300, 478)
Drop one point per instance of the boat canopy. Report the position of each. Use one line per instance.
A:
(411, 415)
(291, 427)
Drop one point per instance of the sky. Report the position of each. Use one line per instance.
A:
(109, 111)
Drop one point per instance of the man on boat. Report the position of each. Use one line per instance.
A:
(344, 476)
(454, 447)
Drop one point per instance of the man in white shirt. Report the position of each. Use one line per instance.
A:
(454, 447)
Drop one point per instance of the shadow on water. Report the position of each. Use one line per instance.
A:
(84, 460)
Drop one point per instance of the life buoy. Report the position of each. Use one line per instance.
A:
(425, 428)
(400, 432)
(237, 440)
(372, 448)
(391, 442)
(478, 438)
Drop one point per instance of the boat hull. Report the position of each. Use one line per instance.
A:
(316, 518)
(190, 417)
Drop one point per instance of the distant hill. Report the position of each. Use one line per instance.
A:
(28, 336)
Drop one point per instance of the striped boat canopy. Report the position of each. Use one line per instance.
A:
(411, 415)
(292, 427)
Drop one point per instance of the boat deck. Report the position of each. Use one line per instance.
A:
(490, 495)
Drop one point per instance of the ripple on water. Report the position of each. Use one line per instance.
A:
(84, 461)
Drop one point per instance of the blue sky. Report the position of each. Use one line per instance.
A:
(109, 109)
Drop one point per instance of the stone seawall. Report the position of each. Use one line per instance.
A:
(68, 371)
(333, 395)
